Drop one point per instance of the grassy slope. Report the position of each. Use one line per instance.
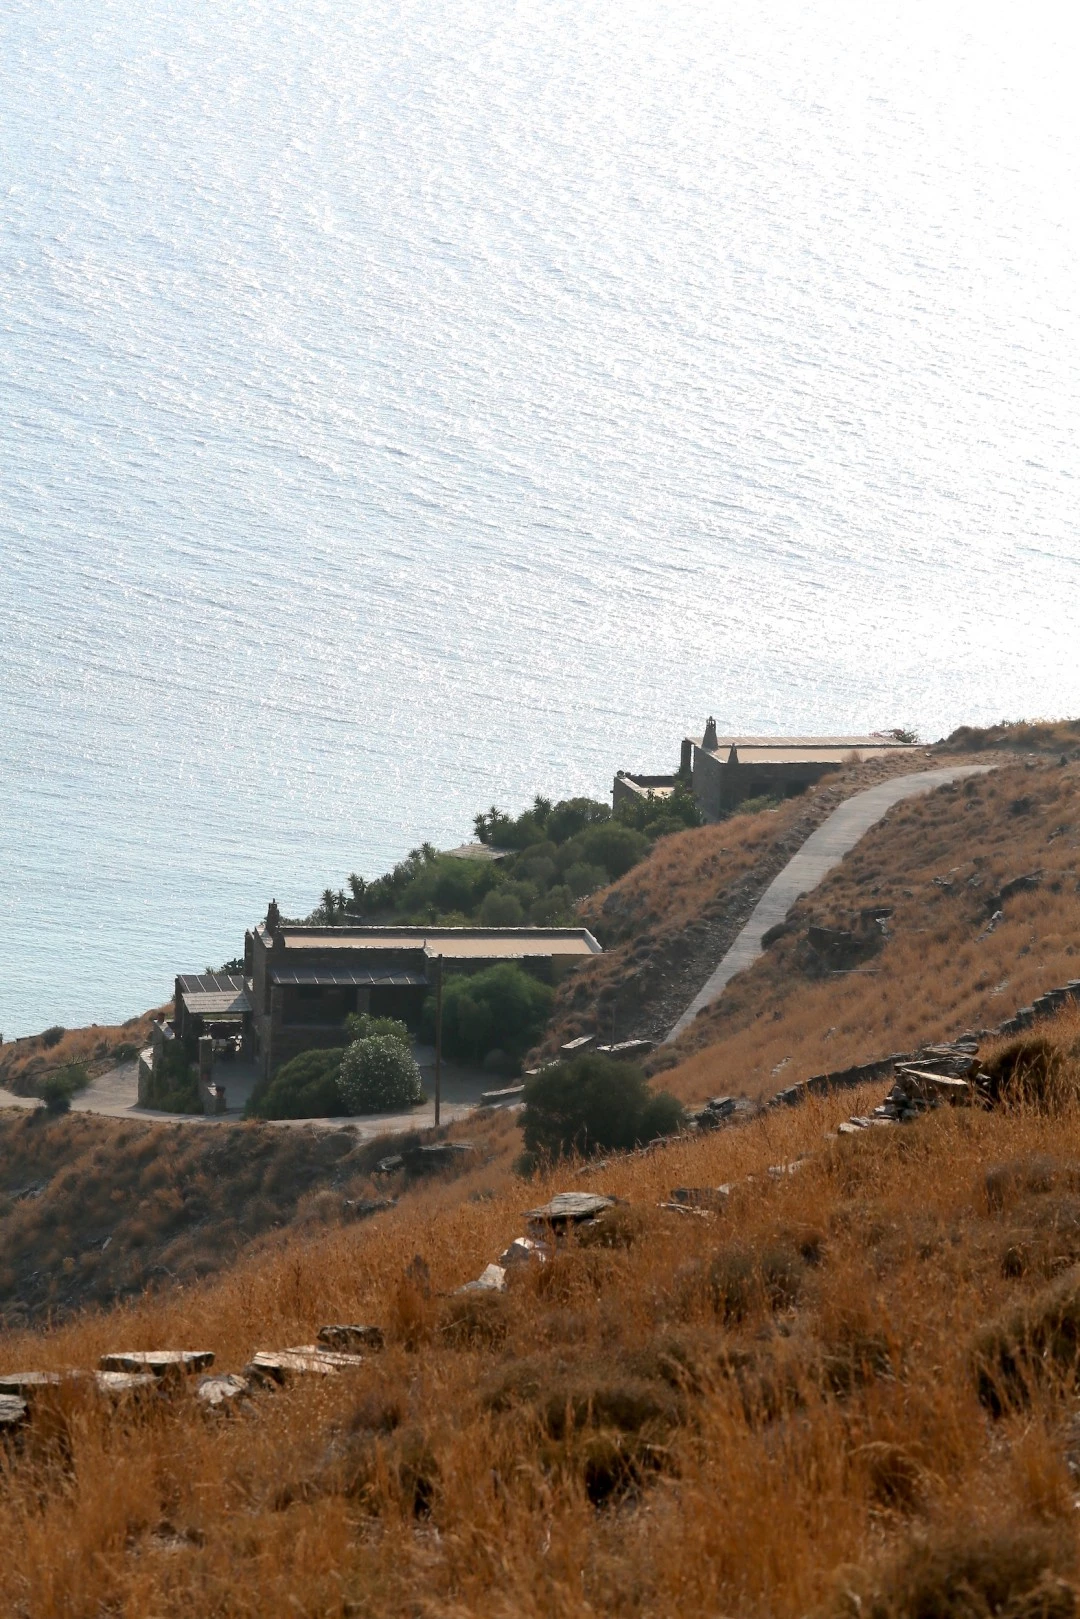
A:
(823, 1436)
(25, 1063)
(935, 976)
(665, 924)
(96, 1209)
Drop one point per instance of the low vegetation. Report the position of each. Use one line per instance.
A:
(541, 863)
(495, 1015)
(379, 1075)
(26, 1063)
(592, 1104)
(847, 1389)
(374, 1073)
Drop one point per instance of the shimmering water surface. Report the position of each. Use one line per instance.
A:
(409, 405)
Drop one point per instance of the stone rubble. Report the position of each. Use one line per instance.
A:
(222, 1391)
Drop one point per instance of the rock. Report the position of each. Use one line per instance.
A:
(524, 1251)
(118, 1384)
(279, 1366)
(13, 1413)
(491, 1280)
(423, 1160)
(700, 1197)
(352, 1338)
(722, 1106)
(923, 1085)
(221, 1392)
(25, 1385)
(360, 1208)
(161, 1362)
(570, 1208)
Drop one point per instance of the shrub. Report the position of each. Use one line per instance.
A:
(56, 1093)
(501, 910)
(305, 1088)
(379, 1074)
(361, 1026)
(52, 1037)
(592, 1104)
(503, 1008)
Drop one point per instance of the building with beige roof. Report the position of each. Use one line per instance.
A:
(726, 770)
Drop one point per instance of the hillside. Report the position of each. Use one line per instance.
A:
(813, 1399)
(93, 1210)
(923, 957)
(666, 924)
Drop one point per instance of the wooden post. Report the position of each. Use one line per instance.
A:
(438, 1039)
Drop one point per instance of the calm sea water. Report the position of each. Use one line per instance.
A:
(409, 404)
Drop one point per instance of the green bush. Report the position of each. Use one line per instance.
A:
(175, 1086)
(502, 1008)
(378, 1074)
(52, 1037)
(501, 911)
(594, 1104)
(305, 1088)
(361, 1026)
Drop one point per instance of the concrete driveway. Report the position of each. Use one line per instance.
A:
(115, 1094)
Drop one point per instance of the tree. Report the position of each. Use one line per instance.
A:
(594, 1104)
(503, 1008)
(379, 1074)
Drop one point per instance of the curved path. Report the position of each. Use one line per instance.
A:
(822, 850)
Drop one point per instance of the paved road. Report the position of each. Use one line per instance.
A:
(822, 850)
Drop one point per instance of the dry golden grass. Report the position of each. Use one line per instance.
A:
(25, 1063)
(778, 1408)
(646, 921)
(93, 1208)
(940, 972)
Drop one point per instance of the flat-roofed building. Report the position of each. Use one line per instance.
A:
(727, 770)
(302, 982)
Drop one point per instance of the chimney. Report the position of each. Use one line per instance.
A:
(708, 741)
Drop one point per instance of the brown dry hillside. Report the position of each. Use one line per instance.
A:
(666, 924)
(93, 1209)
(938, 865)
(850, 1391)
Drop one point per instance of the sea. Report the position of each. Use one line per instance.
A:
(409, 406)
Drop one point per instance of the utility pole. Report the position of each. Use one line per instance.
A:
(438, 1039)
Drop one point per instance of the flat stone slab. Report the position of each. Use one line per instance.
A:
(304, 1360)
(351, 1338)
(25, 1384)
(161, 1362)
(13, 1413)
(920, 1082)
(222, 1391)
(569, 1208)
(117, 1384)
